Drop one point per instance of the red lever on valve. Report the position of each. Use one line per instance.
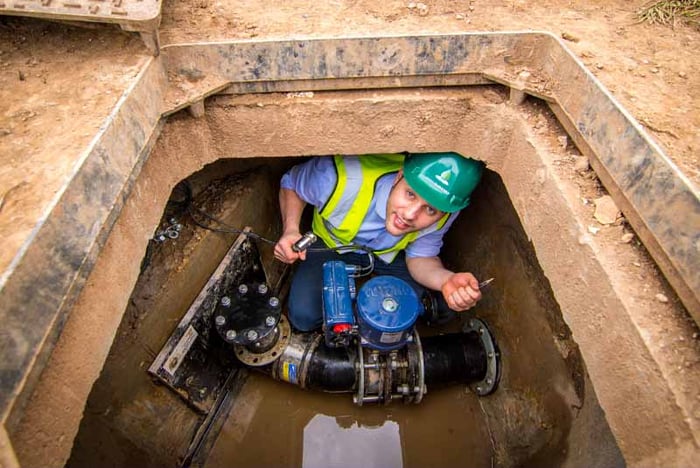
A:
(339, 328)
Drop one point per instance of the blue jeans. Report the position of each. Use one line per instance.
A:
(305, 295)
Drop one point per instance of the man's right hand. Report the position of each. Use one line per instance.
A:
(283, 248)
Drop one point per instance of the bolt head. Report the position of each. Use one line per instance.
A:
(231, 335)
(226, 301)
(262, 288)
(220, 320)
(270, 321)
(389, 304)
(252, 335)
(243, 289)
(274, 302)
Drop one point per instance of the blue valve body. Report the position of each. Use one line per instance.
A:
(387, 308)
(338, 294)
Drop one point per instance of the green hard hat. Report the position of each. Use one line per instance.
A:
(444, 180)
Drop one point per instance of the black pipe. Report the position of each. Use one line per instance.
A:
(448, 359)
(331, 369)
(453, 358)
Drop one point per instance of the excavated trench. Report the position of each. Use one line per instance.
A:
(545, 411)
(583, 314)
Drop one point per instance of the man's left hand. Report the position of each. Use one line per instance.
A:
(461, 291)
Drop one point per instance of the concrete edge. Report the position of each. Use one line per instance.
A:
(48, 273)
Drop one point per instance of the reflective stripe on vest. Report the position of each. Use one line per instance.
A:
(340, 219)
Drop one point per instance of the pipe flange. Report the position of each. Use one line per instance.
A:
(261, 359)
(493, 357)
(359, 397)
(422, 389)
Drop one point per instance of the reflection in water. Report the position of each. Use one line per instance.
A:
(273, 424)
(328, 444)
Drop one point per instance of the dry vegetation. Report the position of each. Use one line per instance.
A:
(669, 12)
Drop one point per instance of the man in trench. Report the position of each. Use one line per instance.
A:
(398, 205)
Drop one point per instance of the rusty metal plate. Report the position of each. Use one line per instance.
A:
(102, 11)
(131, 15)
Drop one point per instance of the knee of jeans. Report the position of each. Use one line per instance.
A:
(305, 315)
(304, 322)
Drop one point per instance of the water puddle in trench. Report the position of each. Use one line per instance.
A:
(275, 424)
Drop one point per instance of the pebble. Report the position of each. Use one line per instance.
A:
(661, 298)
(654, 70)
(569, 37)
(682, 74)
(581, 164)
(593, 230)
(599, 66)
(606, 211)
(584, 239)
(411, 5)
(627, 238)
(563, 141)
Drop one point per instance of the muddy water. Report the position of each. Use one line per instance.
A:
(275, 424)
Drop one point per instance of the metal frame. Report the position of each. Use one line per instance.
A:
(59, 255)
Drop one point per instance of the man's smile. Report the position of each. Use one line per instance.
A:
(400, 223)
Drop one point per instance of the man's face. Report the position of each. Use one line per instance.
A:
(406, 211)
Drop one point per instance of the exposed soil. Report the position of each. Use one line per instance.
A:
(58, 83)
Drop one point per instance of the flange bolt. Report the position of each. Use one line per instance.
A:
(220, 320)
(231, 335)
(252, 335)
(262, 288)
(274, 302)
(225, 301)
(270, 321)
(243, 289)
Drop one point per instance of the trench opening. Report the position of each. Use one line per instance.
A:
(544, 413)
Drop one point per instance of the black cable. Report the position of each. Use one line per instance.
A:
(227, 229)
(364, 271)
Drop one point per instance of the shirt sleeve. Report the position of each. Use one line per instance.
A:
(429, 245)
(313, 180)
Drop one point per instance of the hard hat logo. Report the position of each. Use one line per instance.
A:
(444, 180)
(445, 176)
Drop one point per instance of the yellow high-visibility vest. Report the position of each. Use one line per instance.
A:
(339, 220)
